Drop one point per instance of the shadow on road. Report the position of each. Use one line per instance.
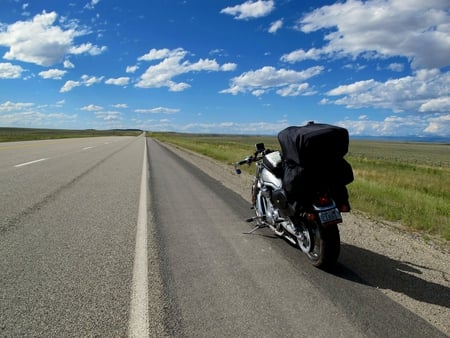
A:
(370, 268)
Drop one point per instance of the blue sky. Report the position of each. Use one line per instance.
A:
(376, 67)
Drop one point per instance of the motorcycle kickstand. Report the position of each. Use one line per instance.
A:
(257, 226)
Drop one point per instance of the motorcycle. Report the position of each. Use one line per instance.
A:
(311, 223)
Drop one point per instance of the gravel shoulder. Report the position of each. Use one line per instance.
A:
(406, 268)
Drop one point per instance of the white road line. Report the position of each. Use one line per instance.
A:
(31, 162)
(86, 148)
(138, 325)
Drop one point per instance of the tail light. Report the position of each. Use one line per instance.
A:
(324, 200)
(310, 217)
(344, 208)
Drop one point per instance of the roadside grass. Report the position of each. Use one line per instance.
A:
(408, 183)
(29, 134)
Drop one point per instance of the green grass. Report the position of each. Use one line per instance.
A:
(28, 134)
(404, 182)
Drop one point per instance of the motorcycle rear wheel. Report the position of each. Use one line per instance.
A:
(325, 245)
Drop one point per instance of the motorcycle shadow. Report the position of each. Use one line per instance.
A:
(370, 268)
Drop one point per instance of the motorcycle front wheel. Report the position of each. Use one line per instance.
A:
(321, 245)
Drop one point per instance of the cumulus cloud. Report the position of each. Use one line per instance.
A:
(439, 125)
(91, 4)
(229, 127)
(172, 63)
(380, 29)
(132, 69)
(424, 91)
(120, 105)
(55, 74)
(275, 26)
(440, 104)
(36, 119)
(69, 85)
(68, 65)
(286, 82)
(92, 107)
(250, 9)
(9, 106)
(158, 110)
(120, 81)
(85, 80)
(26, 114)
(10, 71)
(408, 125)
(108, 116)
(42, 42)
(392, 125)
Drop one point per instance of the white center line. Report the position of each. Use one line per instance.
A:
(31, 162)
(138, 325)
(86, 148)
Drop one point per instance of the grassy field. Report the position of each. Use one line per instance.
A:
(404, 182)
(28, 134)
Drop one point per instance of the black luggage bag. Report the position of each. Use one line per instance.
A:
(313, 157)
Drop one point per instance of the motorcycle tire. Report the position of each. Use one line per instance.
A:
(326, 245)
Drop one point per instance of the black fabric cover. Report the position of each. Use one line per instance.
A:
(313, 158)
(313, 144)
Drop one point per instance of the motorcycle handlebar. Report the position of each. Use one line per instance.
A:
(248, 160)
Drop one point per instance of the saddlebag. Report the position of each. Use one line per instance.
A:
(313, 158)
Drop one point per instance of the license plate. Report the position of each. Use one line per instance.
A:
(330, 216)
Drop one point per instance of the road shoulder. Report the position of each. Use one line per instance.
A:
(412, 272)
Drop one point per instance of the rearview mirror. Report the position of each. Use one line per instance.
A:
(260, 147)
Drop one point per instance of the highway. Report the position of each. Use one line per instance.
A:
(118, 236)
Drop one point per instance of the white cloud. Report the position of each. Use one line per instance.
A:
(9, 106)
(132, 69)
(36, 119)
(10, 71)
(287, 82)
(158, 110)
(295, 90)
(425, 91)
(275, 26)
(250, 9)
(228, 67)
(416, 30)
(439, 125)
(24, 114)
(392, 125)
(41, 42)
(174, 64)
(440, 104)
(300, 55)
(69, 85)
(396, 67)
(108, 116)
(159, 54)
(86, 81)
(90, 80)
(121, 81)
(120, 105)
(88, 48)
(92, 107)
(357, 87)
(410, 125)
(91, 4)
(55, 74)
(68, 65)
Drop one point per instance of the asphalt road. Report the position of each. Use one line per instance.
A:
(76, 222)
(67, 236)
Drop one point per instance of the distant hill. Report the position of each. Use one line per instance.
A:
(426, 139)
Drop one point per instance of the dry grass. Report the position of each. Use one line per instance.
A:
(404, 182)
